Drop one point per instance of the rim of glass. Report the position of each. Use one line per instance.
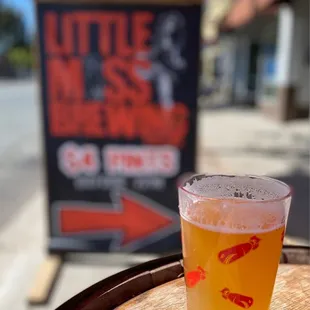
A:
(250, 176)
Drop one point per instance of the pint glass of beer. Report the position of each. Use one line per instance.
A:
(232, 233)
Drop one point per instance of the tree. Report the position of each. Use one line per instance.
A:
(12, 27)
(15, 51)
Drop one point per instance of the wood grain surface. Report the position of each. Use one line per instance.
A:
(158, 285)
(292, 292)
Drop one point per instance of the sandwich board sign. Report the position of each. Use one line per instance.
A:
(119, 101)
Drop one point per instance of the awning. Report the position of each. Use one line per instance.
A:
(243, 11)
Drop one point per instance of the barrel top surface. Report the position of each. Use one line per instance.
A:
(292, 292)
(159, 285)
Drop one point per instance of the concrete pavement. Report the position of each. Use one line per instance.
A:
(20, 153)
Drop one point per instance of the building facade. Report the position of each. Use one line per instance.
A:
(266, 62)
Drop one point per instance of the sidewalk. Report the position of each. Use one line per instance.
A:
(244, 141)
(231, 141)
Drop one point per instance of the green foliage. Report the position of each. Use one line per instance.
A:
(21, 57)
(12, 26)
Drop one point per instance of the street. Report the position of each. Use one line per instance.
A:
(20, 149)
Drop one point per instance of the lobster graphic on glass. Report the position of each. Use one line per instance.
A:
(232, 244)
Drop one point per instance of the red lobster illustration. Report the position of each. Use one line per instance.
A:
(239, 300)
(234, 253)
(192, 278)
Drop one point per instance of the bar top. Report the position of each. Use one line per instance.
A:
(292, 292)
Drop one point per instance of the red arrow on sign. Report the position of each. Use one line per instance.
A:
(135, 219)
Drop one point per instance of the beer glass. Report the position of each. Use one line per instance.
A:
(232, 234)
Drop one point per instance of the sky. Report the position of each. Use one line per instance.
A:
(27, 10)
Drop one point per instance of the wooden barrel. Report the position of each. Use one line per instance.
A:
(159, 285)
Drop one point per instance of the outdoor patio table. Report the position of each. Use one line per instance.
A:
(159, 285)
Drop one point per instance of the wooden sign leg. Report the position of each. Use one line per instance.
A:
(45, 279)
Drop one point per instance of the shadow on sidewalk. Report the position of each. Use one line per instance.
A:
(299, 219)
(280, 152)
(269, 143)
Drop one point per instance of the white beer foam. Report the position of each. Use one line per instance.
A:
(221, 186)
(234, 204)
(225, 230)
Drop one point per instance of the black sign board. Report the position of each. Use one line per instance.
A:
(119, 86)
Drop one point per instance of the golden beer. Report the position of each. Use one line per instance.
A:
(231, 250)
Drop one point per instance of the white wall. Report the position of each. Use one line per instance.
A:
(301, 49)
(292, 49)
(286, 51)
